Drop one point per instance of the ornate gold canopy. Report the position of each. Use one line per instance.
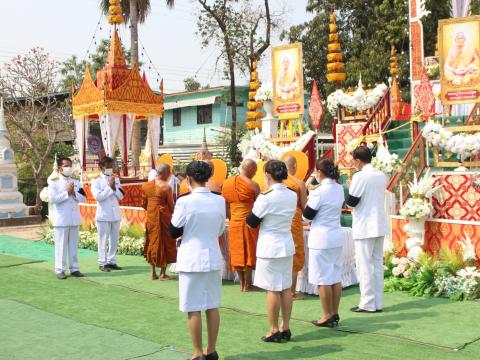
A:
(118, 89)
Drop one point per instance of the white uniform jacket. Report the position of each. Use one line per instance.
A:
(108, 208)
(274, 209)
(65, 209)
(367, 197)
(200, 217)
(324, 208)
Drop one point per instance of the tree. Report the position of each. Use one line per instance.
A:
(35, 114)
(191, 84)
(222, 22)
(74, 70)
(135, 12)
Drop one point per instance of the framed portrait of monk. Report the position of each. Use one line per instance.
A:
(287, 75)
(459, 48)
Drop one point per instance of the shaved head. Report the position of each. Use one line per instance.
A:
(163, 171)
(249, 168)
(291, 163)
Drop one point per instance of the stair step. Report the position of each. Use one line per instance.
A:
(399, 143)
(346, 220)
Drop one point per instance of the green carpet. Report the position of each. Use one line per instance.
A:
(31, 249)
(129, 303)
(38, 334)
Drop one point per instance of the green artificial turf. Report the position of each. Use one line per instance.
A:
(129, 302)
(29, 333)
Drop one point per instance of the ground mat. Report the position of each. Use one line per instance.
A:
(29, 333)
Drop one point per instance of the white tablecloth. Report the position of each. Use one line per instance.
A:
(349, 275)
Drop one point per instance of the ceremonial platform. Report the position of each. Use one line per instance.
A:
(125, 315)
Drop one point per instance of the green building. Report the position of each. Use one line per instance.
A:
(187, 114)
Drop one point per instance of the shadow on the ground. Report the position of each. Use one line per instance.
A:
(296, 352)
(126, 271)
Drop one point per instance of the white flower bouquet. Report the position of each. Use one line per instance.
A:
(360, 101)
(465, 285)
(264, 93)
(387, 165)
(463, 145)
(402, 267)
(416, 208)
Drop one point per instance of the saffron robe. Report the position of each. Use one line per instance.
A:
(297, 227)
(242, 239)
(159, 249)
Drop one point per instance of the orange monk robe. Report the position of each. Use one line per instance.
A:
(297, 227)
(240, 196)
(211, 184)
(160, 249)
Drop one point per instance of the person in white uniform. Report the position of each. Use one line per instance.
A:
(199, 218)
(274, 210)
(64, 194)
(107, 191)
(367, 197)
(325, 240)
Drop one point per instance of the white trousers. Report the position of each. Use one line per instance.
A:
(66, 240)
(108, 233)
(369, 261)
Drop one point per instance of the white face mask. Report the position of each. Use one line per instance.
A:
(67, 171)
(108, 172)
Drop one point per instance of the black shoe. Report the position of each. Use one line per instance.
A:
(212, 356)
(379, 310)
(113, 267)
(276, 337)
(77, 274)
(327, 323)
(104, 268)
(360, 310)
(201, 357)
(286, 335)
(61, 276)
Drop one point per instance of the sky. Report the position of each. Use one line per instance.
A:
(67, 27)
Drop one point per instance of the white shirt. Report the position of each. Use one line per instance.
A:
(65, 209)
(108, 208)
(326, 231)
(202, 216)
(276, 208)
(369, 218)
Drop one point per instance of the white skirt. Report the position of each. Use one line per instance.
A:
(274, 274)
(199, 291)
(325, 266)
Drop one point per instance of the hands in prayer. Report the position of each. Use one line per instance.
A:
(111, 182)
(70, 188)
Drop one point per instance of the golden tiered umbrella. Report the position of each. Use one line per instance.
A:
(253, 115)
(336, 66)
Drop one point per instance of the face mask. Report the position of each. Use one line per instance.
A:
(108, 172)
(67, 171)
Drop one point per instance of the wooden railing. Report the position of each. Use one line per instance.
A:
(414, 162)
(380, 116)
(474, 117)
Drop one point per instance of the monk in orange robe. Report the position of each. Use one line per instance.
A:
(240, 192)
(212, 185)
(160, 249)
(297, 223)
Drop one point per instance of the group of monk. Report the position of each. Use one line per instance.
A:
(240, 192)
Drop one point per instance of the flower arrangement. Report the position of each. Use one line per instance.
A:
(130, 242)
(360, 101)
(256, 146)
(384, 160)
(418, 205)
(463, 145)
(447, 276)
(264, 93)
(465, 285)
(416, 208)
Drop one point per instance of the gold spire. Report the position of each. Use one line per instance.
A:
(335, 67)
(115, 54)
